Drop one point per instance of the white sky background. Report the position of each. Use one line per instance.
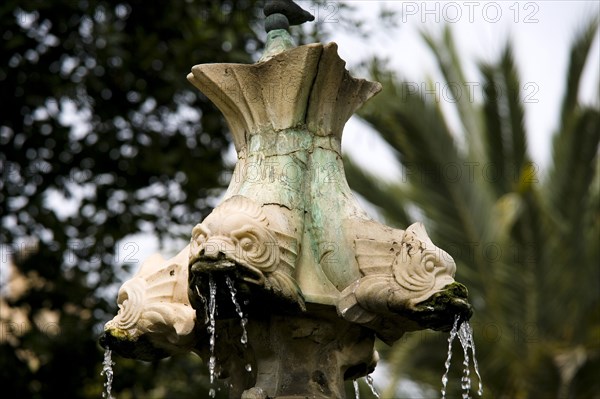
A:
(541, 33)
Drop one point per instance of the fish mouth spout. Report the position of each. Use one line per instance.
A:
(251, 285)
(140, 348)
(223, 271)
(103, 340)
(439, 311)
(222, 264)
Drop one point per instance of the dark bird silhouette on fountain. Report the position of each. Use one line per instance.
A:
(283, 13)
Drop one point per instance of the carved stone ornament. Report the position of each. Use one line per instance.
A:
(318, 277)
(155, 318)
(238, 238)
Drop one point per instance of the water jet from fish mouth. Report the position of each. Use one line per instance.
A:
(462, 329)
(107, 370)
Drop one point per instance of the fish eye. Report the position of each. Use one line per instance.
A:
(247, 244)
(429, 263)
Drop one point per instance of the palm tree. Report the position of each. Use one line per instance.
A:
(526, 243)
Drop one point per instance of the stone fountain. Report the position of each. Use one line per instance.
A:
(313, 277)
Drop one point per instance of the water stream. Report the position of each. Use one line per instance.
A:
(211, 324)
(453, 334)
(371, 385)
(465, 381)
(240, 312)
(212, 305)
(465, 336)
(238, 309)
(108, 371)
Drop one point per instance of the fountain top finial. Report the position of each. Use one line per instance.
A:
(280, 14)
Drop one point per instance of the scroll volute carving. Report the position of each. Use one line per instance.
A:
(155, 318)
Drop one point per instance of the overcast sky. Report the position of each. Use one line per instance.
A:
(541, 33)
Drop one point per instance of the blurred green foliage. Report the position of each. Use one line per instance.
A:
(102, 136)
(526, 239)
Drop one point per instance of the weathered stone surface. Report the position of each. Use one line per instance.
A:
(155, 318)
(305, 355)
(318, 278)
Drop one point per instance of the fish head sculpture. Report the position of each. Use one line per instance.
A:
(155, 319)
(238, 240)
(428, 293)
(407, 284)
(421, 267)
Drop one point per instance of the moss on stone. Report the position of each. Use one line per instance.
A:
(438, 312)
(121, 342)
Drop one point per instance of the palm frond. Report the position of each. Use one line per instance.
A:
(450, 66)
(389, 198)
(516, 113)
(575, 151)
(575, 145)
(526, 248)
(418, 132)
(493, 135)
(578, 59)
(572, 200)
(443, 185)
(504, 115)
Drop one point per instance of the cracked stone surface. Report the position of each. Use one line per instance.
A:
(318, 278)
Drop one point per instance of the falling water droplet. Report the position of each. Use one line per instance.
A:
(480, 386)
(453, 333)
(371, 385)
(108, 371)
(204, 302)
(248, 367)
(212, 393)
(238, 309)
(465, 335)
(356, 390)
(211, 330)
(465, 381)
(475, 364)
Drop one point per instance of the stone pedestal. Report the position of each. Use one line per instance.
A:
(293, 356)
